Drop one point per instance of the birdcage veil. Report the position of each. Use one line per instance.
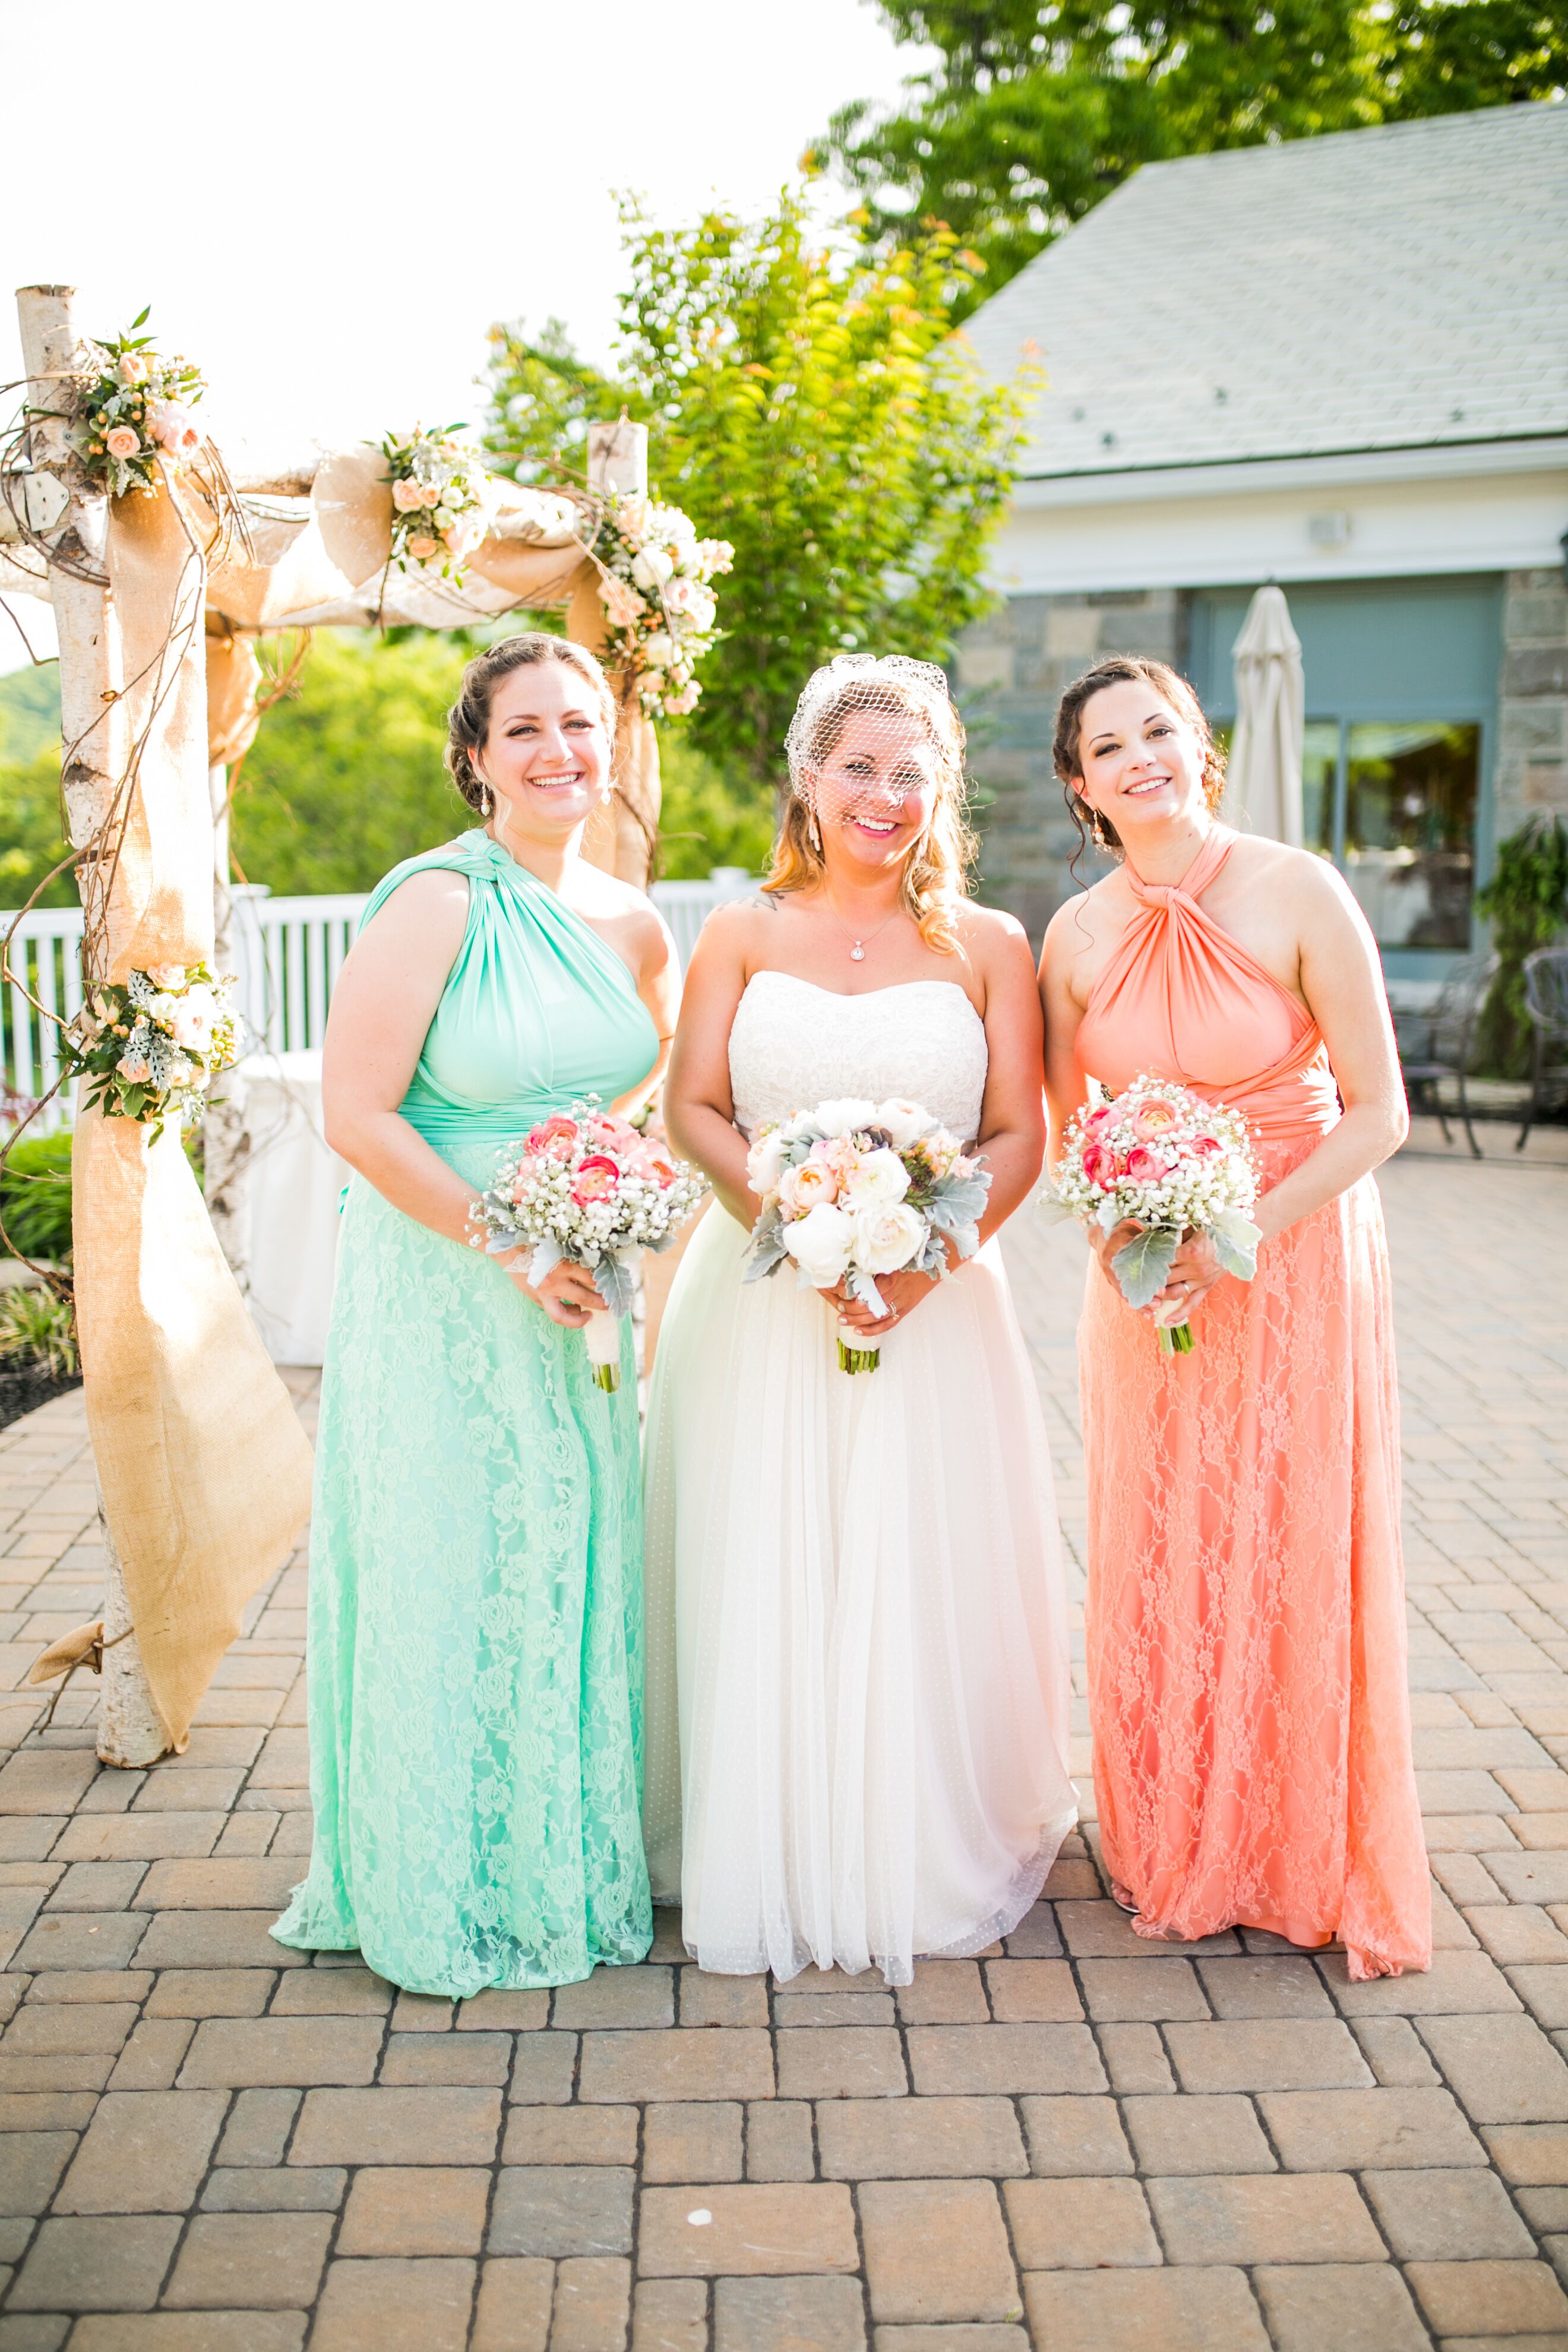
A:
(853, 689)
(868, 684)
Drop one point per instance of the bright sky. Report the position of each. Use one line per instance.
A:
(328, 204)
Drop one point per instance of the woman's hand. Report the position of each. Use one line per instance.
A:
(902, 1293)
(568, 1294)
(1106, 1245)
(1194, 1270)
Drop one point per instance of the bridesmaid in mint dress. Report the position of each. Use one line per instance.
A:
(475, 1630)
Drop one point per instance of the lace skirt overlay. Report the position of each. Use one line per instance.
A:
(1246, 1617)
(475, 1627)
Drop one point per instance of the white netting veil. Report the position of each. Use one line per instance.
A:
(868, 685)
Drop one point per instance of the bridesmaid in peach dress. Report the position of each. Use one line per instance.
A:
(1245, 1609)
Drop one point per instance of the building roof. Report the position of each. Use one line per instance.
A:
(1403, 287)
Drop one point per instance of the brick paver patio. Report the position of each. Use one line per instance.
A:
(1080, 2142)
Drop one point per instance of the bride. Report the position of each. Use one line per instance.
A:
(857, 1649)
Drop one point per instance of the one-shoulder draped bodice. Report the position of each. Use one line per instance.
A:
(793, 1044)
(1181, 999)
(538, 1009)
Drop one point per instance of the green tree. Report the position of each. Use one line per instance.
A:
(1527, 904)
(807, 401)
(345, 778)
(1037, 109)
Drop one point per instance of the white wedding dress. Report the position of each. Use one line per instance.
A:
(858, 1680)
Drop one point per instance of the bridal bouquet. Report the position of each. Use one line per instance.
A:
(585, 1185)
(1160, 1157)
(852, 1189)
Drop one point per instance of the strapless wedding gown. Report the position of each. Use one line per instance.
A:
(858, 1679)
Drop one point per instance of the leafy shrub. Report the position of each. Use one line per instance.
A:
(37, 1332)
(35, 1199)
(1526, 901)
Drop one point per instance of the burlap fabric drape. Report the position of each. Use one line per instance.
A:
(204, 1471)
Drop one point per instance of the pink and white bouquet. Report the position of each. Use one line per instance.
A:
(150, 1046)
(585, 1185)
(655, 576)
(132, 411)
(852, 1189)
(441, 500)
(1161, 1158)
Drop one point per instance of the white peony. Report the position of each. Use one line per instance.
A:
(887, 1238)
(906, 1122)
(820, 1243)
(843, 1118)
(659, 651)
(163, 1009)
(764, 1163)
(877, 1180)
(651, 567)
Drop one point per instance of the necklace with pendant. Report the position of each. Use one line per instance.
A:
(858, 946)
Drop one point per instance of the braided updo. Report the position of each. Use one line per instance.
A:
(468, 719)
(1119, 670)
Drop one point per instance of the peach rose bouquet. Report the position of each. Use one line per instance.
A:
(588, 1186)
(150, 1046)
(1159, 1157)
(852, 1189)
(441, 500)
(132, 413)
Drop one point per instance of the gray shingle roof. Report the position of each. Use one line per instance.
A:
(1382, 289)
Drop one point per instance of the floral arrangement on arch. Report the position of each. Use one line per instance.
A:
(150, 1046)
(662, 612)
(441, 499)
(133, 410)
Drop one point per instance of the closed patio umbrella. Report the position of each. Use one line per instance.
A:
(1265, 787)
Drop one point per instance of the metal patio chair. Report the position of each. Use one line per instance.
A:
(1546, 1002)
(1436, 1044)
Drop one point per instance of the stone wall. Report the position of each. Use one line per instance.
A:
(1012, 669)
(1532, 701)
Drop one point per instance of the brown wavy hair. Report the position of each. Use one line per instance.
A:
(935, 879)
(468, 719)
(1067, 751)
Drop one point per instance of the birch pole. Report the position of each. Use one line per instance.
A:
(226, 1138)
(130, 1729)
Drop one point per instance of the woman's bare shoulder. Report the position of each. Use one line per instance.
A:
(1086, 920)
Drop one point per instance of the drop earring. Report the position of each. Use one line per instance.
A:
(816, 834)
(1096, 828)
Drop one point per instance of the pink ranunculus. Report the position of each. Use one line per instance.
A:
(652, 1160)
(175, 429)
(1100, 1167)
(595, 1180)
(1099, 1121)
(1146, 1166)
(406, 496)
(613, 1134)
(1206, 1146)
(422, 547)
(1154, 1119)
(122, 441)
(554, 1136)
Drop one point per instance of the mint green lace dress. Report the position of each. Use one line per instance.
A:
(475, 1627)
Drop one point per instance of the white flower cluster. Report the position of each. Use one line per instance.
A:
(132, 409)
(662, 612)
(857, 1188)
(442, 501)
(152, 1044)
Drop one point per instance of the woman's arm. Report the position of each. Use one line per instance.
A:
(698, 1109)
(1065, 941)
(658, 985)
(1341, 981)
(381, 1012)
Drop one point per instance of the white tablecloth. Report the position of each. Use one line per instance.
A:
(294, 1193)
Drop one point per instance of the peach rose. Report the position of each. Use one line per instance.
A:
(122, 441)
(554, 1136)
(132, 368)
(406, 496)
(805, 1188)
(166, 975)
(431, 494)
(1154, 1119)
(652, 1159)
(422, 547)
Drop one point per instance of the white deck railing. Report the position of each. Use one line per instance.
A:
(288, 954)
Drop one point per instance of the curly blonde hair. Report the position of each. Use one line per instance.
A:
(935, 879)
(1067, 751)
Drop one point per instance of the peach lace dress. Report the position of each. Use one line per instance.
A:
(1245, 1609)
